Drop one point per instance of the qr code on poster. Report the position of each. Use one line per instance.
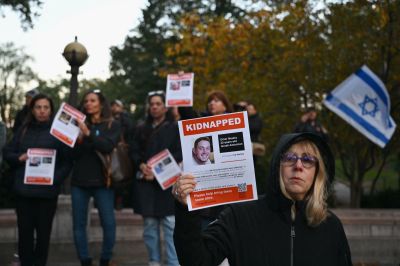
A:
(242, 187)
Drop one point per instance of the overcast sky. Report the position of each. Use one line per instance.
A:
(99, 24)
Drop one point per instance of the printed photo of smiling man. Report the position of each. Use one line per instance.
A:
(202, 152)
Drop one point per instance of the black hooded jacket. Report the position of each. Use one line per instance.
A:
(262, 232)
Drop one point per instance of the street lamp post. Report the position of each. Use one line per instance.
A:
(76, 55)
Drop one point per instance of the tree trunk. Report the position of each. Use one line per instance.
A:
(355, 194)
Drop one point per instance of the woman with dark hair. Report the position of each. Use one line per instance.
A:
(217, 104)
(36, 204)
(157, 133)
(291, 225)
(98, 134)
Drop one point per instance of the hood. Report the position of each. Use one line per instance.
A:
(282, 146)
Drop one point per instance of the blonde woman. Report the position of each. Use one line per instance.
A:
(291, 225)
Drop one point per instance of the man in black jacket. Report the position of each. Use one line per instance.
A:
(157, 133)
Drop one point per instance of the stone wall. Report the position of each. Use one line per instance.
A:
(373, 234)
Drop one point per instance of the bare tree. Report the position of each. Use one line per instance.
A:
(14, 71)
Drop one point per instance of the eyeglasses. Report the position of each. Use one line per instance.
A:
(151, 93)
(290, 159)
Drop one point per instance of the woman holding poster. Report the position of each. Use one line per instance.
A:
(291, 225)
(36, 200)
(100, 133)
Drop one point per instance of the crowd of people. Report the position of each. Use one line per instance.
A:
(277, 229)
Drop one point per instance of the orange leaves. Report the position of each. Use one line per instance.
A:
(269, 54)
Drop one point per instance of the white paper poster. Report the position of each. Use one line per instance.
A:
(180, 89)
(164, 168)
(65, 126)
(39, 167)
(217, 150)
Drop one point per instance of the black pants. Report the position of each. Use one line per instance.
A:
(34, 215)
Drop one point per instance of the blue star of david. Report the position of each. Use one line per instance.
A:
(369, 106)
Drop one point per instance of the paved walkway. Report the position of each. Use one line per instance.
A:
(125, 254)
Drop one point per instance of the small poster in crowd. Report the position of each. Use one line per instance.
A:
(164, 168)
(217, 151)
(180, 89)
(39, 167)
(65, 125)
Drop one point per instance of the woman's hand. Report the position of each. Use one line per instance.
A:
(23, 157)
(147, 173)
(183, 187)
(84, 129)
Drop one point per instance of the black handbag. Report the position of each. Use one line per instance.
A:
(117, 165)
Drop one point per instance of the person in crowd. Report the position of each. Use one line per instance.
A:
(36, 203)
(291, 225)
(309, 123)
(240, 106)
(117, 108)
(23, 113)
(119, 114)
(255, 122)
(217, 104)
(255, 126)
(99, 133)
(201, 151)
(158, 132)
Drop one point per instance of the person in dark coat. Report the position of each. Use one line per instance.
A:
(255, 122)
(120, 115)
(23, 113)
(291, 225)
(123, 189)
(158, 132)
(100, 133)
(36, 203)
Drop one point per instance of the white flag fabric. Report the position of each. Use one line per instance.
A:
(363, 101)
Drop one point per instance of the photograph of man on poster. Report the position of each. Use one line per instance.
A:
(202, 152)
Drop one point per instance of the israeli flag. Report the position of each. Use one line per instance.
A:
(363, 102)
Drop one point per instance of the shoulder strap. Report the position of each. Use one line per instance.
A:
(153, 133)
